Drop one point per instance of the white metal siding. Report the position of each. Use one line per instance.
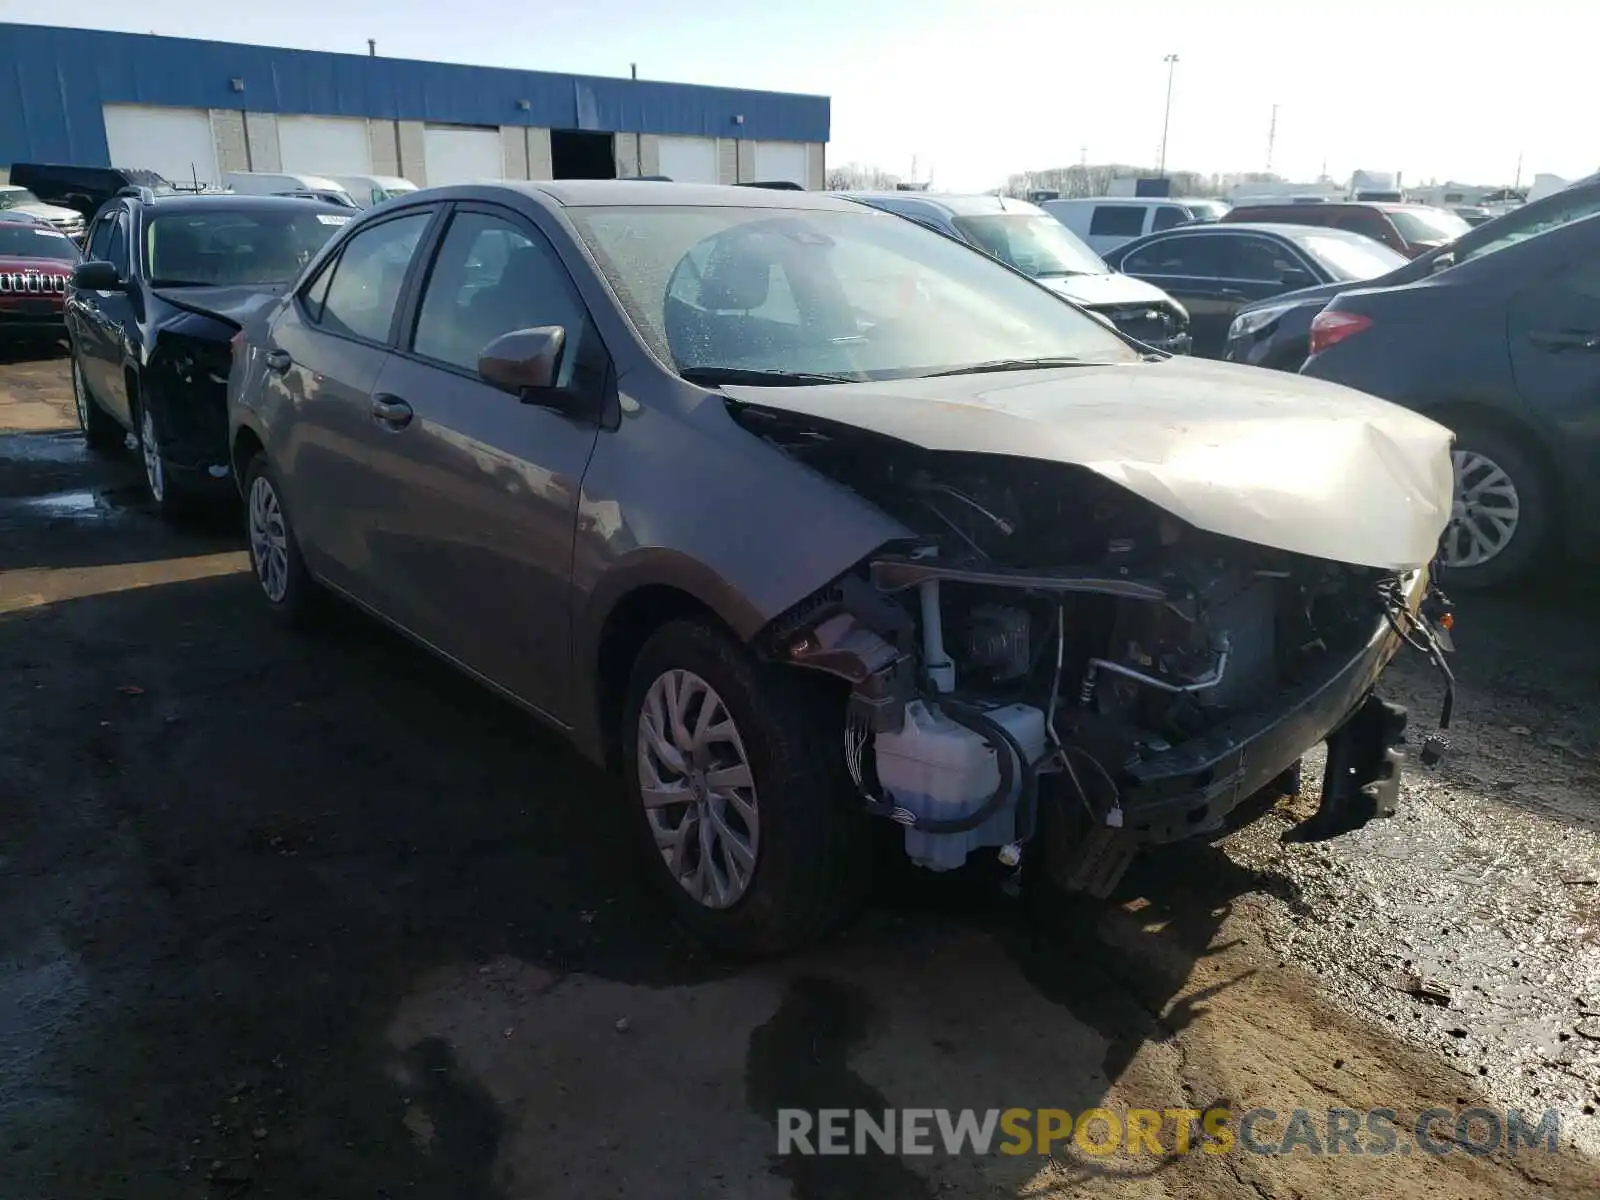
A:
(461, 154)
(781, 160)
(687, 159)
(175, 142)
(324, 146)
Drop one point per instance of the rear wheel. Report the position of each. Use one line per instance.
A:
(100, 431)
(733, 771)
(290, 591)
(1502, 522)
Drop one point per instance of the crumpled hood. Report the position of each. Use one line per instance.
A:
(1275, 459)
(236, 304)
(1094, 291)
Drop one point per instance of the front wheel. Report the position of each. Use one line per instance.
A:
(1502, 522)
(100, 431)
(171, 499)
(733, 771)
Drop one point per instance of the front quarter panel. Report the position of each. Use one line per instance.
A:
(681, 496)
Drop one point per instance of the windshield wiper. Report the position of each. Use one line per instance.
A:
(755, 377)
(1012, 364)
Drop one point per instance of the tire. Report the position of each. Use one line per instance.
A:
(172, 501)
(1509, 480)
(807, 849)
(290, 592)
(100, 430)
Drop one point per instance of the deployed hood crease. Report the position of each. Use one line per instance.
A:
(1278, 460)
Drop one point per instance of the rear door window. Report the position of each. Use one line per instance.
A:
(359, 296)
(1117, 220)
(1195, 257)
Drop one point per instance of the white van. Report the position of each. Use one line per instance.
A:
(268, 183)
(367, 190)
(1106, 222)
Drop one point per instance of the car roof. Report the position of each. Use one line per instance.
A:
(1135, 200)
(956, 204)
(587, 193)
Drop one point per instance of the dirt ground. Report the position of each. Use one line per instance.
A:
(312, 916)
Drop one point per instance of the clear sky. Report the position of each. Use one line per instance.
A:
(975, 89)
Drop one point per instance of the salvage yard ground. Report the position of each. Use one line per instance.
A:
(312, 916)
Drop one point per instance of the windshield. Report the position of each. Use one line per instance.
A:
(14, 197)
(230, 247)
(1427, 224)
(806, 291)
(1353, 257)
(1522, 224)
(35, 241)
(1032, 243)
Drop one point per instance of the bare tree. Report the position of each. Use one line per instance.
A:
(854, 177)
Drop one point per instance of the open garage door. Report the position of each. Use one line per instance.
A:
(689, 159)
(461, 154)
(781, 160)
(175, 142)
(324, 146)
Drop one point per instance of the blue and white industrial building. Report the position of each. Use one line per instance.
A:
(194, 110)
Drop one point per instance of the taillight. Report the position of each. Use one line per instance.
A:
(1331, 328)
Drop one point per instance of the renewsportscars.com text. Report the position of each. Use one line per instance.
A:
(1166, 1131)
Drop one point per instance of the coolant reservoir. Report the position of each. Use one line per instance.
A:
(938, 768)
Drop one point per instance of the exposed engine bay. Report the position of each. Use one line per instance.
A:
(1052, 655)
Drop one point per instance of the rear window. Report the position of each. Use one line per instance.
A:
(1117, 220)
(1427, 224)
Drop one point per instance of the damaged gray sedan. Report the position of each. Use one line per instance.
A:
(803, 518)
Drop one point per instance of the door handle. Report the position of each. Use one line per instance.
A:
(1557, 340)
(1230, 294)
(279, 361)
(391, 411)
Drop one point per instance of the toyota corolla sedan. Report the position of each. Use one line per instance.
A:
(802, 517)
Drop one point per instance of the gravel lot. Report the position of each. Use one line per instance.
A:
(311, 916)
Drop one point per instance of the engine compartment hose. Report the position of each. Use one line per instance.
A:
(1009, 764)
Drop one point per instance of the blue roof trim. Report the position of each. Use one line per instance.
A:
(54, 81)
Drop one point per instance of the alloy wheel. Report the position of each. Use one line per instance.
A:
(1485, 513)
(150, 450)
(269, 540)
(697, 789)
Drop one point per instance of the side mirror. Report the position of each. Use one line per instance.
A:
(96, 276)
(524, 360)
(1444, 261)
(1294, 278)
(526, 363)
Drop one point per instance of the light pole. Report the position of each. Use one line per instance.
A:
(1166, 121)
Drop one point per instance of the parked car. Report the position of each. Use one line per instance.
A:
(1215, 270)
(1410, 229)
(802, 516)
(1276, 332)
(21, 200)
(82, 189)
(35, 265)
(367, 190)
(151, 314)
(1505, 350)
(1024, 238)
(1107, 222)
(271, 183)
